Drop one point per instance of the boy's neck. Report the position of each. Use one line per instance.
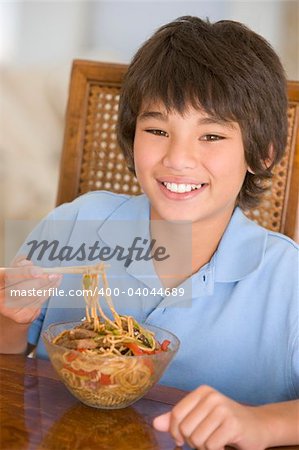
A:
(206, 236)
(200, 238)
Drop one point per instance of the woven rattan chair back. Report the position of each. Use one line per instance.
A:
(91, 159)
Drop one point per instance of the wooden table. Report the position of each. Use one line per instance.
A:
(38, 412)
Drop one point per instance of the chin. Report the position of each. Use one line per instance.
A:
(172, 215)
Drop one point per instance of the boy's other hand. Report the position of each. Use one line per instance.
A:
(24, 276)
(208, 420)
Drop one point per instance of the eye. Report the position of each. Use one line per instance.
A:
(158, 132)
(211, 137)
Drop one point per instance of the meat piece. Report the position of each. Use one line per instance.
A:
(82, 333)
(85, 325)
(77, 343)
(86, 343)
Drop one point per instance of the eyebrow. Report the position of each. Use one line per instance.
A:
(216, 120)
(209, 120)
(152, 115)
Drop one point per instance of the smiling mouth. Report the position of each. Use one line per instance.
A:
(181, 188)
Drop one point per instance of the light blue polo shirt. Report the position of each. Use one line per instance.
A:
(238, 332)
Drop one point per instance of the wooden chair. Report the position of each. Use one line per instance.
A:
(91, 159)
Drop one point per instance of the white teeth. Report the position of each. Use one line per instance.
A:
(181, 188)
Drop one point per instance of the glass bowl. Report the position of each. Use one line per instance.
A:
(87, 376)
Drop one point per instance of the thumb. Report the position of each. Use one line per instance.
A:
(161, 423)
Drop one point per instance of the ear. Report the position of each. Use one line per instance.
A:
(266, 162)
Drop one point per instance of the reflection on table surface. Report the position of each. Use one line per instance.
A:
(38, 412)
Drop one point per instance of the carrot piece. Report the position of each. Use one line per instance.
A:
(105, 379)
(164, 345)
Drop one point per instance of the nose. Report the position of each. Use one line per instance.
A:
(179, 156)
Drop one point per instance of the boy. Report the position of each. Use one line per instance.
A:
(202, 122)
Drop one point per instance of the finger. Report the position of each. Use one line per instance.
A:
(24, 316)
(161, 423)
(23, 262)
(184, 407)
(18, 310)
(221, 437)
(18, 260)
(39, 300)
(200, 411)
(15, 276)
(25, 294)
(26, 284)
(206, 428)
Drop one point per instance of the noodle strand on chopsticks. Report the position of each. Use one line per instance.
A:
(122, 327)
(90, 284)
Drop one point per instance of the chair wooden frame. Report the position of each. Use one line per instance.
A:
(87, 73)
(84, 74)
(289, 220)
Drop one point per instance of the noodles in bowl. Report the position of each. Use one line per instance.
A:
(107, 381)
(108, 363)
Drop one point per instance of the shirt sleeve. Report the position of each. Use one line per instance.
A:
(57, 225)
(295, 366)
(35, 328)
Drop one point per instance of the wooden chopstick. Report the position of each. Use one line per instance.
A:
(94, 268)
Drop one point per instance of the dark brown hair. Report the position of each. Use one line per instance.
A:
(223, 68)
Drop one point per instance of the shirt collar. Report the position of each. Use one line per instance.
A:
(125, 224)
(241, 249)
(135, 210)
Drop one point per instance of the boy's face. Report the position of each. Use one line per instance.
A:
(191, 167)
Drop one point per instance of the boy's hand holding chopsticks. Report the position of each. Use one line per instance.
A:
(24, 276)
